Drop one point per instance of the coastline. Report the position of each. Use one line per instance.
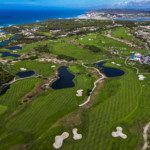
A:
(22, 17)
(57, 14)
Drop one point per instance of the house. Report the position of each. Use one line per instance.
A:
(146, 59)
(132, 56)
(136, 56)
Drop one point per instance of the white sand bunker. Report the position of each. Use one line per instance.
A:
(141, 77)
(53, 66)
(118, 64)
(59, 140)
(113, 63)
(23, 69)
(119, 133)
(76, 136)
(79, 93)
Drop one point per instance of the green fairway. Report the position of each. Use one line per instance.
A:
(32, 113)
(122, 33)
(118, 104)
(46, 109)
(2, 109)
(41, 68)
(72, 50)
(125, 34)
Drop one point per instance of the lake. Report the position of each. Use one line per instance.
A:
(108, 71)
(4, 88)
(65, 79)
(8, 54)
(16, 47)
(25, 74)
(7, 41)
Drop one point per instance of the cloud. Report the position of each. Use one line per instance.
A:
(63, 3)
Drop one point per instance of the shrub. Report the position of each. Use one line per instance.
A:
(68, 58)
(93, 48)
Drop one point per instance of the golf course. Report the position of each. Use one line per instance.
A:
(95, 99)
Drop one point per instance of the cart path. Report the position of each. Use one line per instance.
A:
(95, 84)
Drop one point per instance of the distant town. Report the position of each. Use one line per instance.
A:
(117, 15)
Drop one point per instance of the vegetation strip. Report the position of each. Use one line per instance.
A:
(95, 84)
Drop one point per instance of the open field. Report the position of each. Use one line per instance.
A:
(118, 101)
(41, 68)
(123, 33)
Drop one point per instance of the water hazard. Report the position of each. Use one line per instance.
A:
(65, 79)
(108, 71)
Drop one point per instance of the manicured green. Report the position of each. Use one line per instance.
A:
(120, 101)
(41, 68)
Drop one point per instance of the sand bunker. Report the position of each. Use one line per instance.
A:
(113, 63)
(59, 140)
(119, 133)
(79, 93)
(76, 136)
(141, 77)
(23, 69)
(118, 64)
(53, 66)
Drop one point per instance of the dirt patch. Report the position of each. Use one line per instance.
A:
(39, 88)
(20, 147)
(72, 120)
(93, 96)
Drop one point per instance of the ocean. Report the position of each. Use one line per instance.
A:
(13, 16)
(18, 16)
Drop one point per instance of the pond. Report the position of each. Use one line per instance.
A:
(3, 89)
(16, 47)
(25, 74)
(6, 42)
(7, 54)
(108, 71)
(65, 79)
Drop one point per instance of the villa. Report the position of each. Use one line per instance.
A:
(135, 56)
(2, 34)
(140, 58)
(146, 60)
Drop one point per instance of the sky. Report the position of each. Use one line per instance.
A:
(62, 3)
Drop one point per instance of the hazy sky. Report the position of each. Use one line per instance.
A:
(64, 3)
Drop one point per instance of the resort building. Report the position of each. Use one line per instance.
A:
(135, 56)
(146, 60)
(140, 58)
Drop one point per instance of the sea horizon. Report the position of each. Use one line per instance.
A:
(25, 16)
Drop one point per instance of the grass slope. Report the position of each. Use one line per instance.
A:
(41, 68)
(35, 120)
